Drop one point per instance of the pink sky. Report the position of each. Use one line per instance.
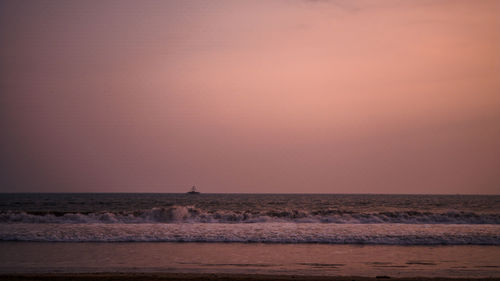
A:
(277, 96)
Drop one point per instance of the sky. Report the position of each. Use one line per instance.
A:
(282, 96)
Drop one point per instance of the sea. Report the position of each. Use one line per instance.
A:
(299, 234)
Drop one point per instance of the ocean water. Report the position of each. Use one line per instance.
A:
(412, 235)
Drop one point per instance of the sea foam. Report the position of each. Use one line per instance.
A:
(387, 234)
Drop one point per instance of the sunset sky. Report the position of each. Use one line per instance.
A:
(279, 96)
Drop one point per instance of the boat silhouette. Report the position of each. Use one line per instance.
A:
(193, 191)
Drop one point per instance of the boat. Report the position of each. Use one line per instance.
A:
(193, 191)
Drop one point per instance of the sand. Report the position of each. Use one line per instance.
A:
(202, 276)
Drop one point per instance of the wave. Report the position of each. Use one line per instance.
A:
(386, 234)
(190, 214)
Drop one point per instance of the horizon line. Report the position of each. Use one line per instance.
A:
(243, 193)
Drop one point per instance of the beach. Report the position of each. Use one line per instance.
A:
(244, 260)
(212, 277)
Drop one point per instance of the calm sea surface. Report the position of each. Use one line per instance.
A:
(412, 235)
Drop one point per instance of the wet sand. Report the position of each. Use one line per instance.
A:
(246, 258)
(204, 276)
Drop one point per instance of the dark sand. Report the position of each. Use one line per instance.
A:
(202, 276)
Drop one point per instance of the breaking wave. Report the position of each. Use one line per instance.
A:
(190, 214)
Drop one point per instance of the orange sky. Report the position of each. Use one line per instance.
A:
(250, 96)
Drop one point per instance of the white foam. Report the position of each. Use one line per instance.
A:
(389, 234)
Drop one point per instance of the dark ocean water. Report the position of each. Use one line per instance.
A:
(273, 218)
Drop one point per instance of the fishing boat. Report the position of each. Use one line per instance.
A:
(193, 191)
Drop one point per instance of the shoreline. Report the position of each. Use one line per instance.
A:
(132, 276)
(216, 261)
